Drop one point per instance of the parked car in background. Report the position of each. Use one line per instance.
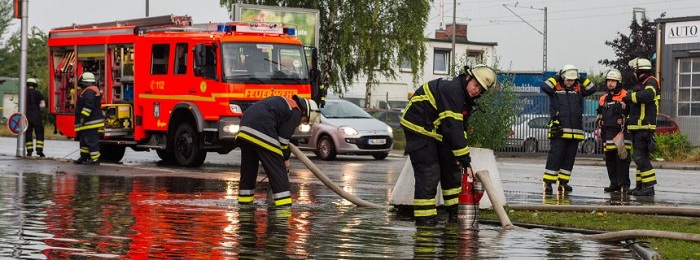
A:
(664, 125)
(345, 128)
(529, 135)
(391, 117)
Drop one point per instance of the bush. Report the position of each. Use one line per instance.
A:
(672, 147)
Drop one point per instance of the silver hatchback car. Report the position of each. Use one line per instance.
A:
(345, 128)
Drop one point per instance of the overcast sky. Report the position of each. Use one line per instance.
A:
(577, 29)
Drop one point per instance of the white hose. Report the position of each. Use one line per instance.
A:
(329, 183)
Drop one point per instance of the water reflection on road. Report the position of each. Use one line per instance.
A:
(64, 215)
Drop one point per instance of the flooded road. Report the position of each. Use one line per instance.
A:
(54, 209)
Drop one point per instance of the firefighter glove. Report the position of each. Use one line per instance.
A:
(555, 129)
(465, 161)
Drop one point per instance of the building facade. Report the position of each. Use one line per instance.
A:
(678, 63)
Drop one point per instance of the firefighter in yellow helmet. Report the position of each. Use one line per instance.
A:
(436, 140)
(35, 101)
(643, 104)
(611, 120)
(264, 136)
(88, 119)
(566, 91)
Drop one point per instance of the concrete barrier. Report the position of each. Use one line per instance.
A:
(482, 159)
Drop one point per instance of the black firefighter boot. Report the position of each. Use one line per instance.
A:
(426, 221)
(82, 159)
(40, 153)
(644, 191)
(547, 188)
(564, 186)
(637, 186)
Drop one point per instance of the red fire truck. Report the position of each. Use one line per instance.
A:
(173, 86)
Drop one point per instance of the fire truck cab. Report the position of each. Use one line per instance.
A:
(173, 86)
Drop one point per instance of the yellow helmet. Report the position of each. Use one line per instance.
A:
(614, 75)
(569, 72)
(640, 64)
(484, 75)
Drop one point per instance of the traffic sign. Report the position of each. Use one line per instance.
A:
(17, 123)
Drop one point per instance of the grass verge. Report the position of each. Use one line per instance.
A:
(603, 221)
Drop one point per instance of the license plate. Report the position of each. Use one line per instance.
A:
(376, 141)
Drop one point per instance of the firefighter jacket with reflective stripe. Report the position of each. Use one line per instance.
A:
(270, 122)
(435, 111)
(88, 111)
(643, 104)
(566, 105)
(610, 109)
(34, 98)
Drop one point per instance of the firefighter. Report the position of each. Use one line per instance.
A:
(35, 101)
(436, 139)
(610, 120)
(264, 137)
(566, 91)
(643, 104)
(88, 119)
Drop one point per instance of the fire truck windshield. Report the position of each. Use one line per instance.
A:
(264, 63)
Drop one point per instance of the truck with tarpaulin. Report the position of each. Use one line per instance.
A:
(173, 86)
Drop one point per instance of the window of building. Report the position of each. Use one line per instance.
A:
(159, 59)
(688, 87)
(441, 61)
(405, 65)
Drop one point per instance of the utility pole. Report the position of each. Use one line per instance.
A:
(147, 5)
(543, 33)
(454, 29)
(23, 78)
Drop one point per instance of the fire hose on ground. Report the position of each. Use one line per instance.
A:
(483, 176)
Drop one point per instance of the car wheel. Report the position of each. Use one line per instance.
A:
(186, 143)
(530, 146)
(326, 149)
(588, 146)
(380, 156)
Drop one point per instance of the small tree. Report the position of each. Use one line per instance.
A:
(641, 42)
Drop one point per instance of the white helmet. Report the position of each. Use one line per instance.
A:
(31, 82)
(614, 75)
(484, 75)
(569, 72)
(87, 77)
(309, 108)
(640, 64)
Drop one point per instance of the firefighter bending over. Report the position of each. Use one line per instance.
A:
(436, 139)
(610, 120)
(264, 137)
(88, 119)
(643, 104)
(566, 91)
(35, 101)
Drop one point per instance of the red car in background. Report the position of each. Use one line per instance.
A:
(664, 125)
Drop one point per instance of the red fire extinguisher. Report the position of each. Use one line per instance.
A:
(469, 197)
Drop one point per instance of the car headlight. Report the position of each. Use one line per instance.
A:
(304, 128)
(390, 130)
(347, 130)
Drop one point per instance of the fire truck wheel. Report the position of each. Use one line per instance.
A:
(112, 153)
(186, 147)
(166, 155)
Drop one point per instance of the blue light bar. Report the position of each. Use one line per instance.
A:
(290, 31)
